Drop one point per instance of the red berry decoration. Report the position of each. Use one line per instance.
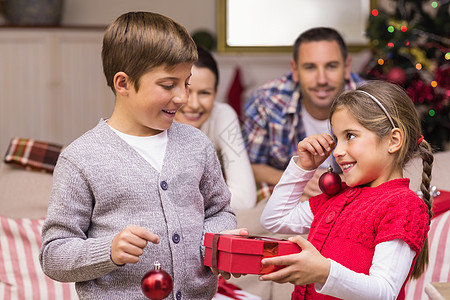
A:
(156, 284)
(330, 182)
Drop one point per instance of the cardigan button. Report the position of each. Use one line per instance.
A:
(164, 185)
(176, 238)
(178, 295)
(352, 192)
(330, 217)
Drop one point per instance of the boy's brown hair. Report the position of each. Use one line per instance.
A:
(137, 42)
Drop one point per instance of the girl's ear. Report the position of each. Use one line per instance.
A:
(396, 140)
(121, 83)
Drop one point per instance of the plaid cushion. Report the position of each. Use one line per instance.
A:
(32, 154)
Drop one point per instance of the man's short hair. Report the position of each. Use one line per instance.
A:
(318, 34)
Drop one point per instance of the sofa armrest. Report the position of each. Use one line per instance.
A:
(23, 193)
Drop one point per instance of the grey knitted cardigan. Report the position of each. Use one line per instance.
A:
(101, 185)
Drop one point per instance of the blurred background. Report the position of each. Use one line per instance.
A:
(53, 89)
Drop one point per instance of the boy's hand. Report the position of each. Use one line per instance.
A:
(313, 150)
(128, 245)
(239, 231)
(308, 266)
(226, 275)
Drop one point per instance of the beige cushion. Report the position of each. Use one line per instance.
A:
(23, 193)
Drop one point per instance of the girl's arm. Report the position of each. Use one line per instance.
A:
(284, 213)
(390, 267)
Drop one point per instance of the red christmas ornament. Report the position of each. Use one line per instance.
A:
(156, 284)
(396, 75)
(330, 182)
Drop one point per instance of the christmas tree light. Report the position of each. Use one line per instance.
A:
(410, 47)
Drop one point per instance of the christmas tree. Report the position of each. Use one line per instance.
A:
(411, 47)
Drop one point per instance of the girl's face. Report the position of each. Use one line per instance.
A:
(202, 92)
(362, 156)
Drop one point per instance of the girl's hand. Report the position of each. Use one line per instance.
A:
(128, 245)
(226, 275)
(313, 150)
(308, 266)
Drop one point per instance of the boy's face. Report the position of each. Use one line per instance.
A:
(161, 94)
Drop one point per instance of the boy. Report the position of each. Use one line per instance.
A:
(136, 177)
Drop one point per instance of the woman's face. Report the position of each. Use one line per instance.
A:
(202, 93)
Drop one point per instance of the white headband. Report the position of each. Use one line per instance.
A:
(380, 105)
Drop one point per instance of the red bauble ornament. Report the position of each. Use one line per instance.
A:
(330, 182)
(156, 284)
(396, 75)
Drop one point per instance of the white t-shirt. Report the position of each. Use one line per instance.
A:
(151, 148)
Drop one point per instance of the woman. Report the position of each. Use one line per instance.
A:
(220, 123)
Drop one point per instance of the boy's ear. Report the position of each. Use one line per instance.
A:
(121, 83)
(396, 140)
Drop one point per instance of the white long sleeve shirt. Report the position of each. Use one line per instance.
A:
(391, 262)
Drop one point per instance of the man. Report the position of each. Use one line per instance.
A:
(285, 110)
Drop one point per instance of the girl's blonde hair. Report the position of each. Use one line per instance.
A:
(138, 42)
(404, 116)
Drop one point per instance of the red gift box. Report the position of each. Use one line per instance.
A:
(243, 254)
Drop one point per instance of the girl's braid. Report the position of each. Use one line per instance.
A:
(427, 164)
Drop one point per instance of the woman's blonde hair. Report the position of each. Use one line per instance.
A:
(404, 116)
(137, 42)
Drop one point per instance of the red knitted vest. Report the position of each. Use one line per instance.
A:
(348, 226)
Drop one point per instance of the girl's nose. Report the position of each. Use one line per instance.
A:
(338, 150)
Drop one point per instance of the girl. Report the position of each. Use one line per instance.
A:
(364, 241)
(220, 123)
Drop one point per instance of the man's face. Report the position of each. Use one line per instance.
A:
(321, 71)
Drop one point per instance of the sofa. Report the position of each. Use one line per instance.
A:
(23, 203)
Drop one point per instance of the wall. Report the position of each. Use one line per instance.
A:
(193, 14)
